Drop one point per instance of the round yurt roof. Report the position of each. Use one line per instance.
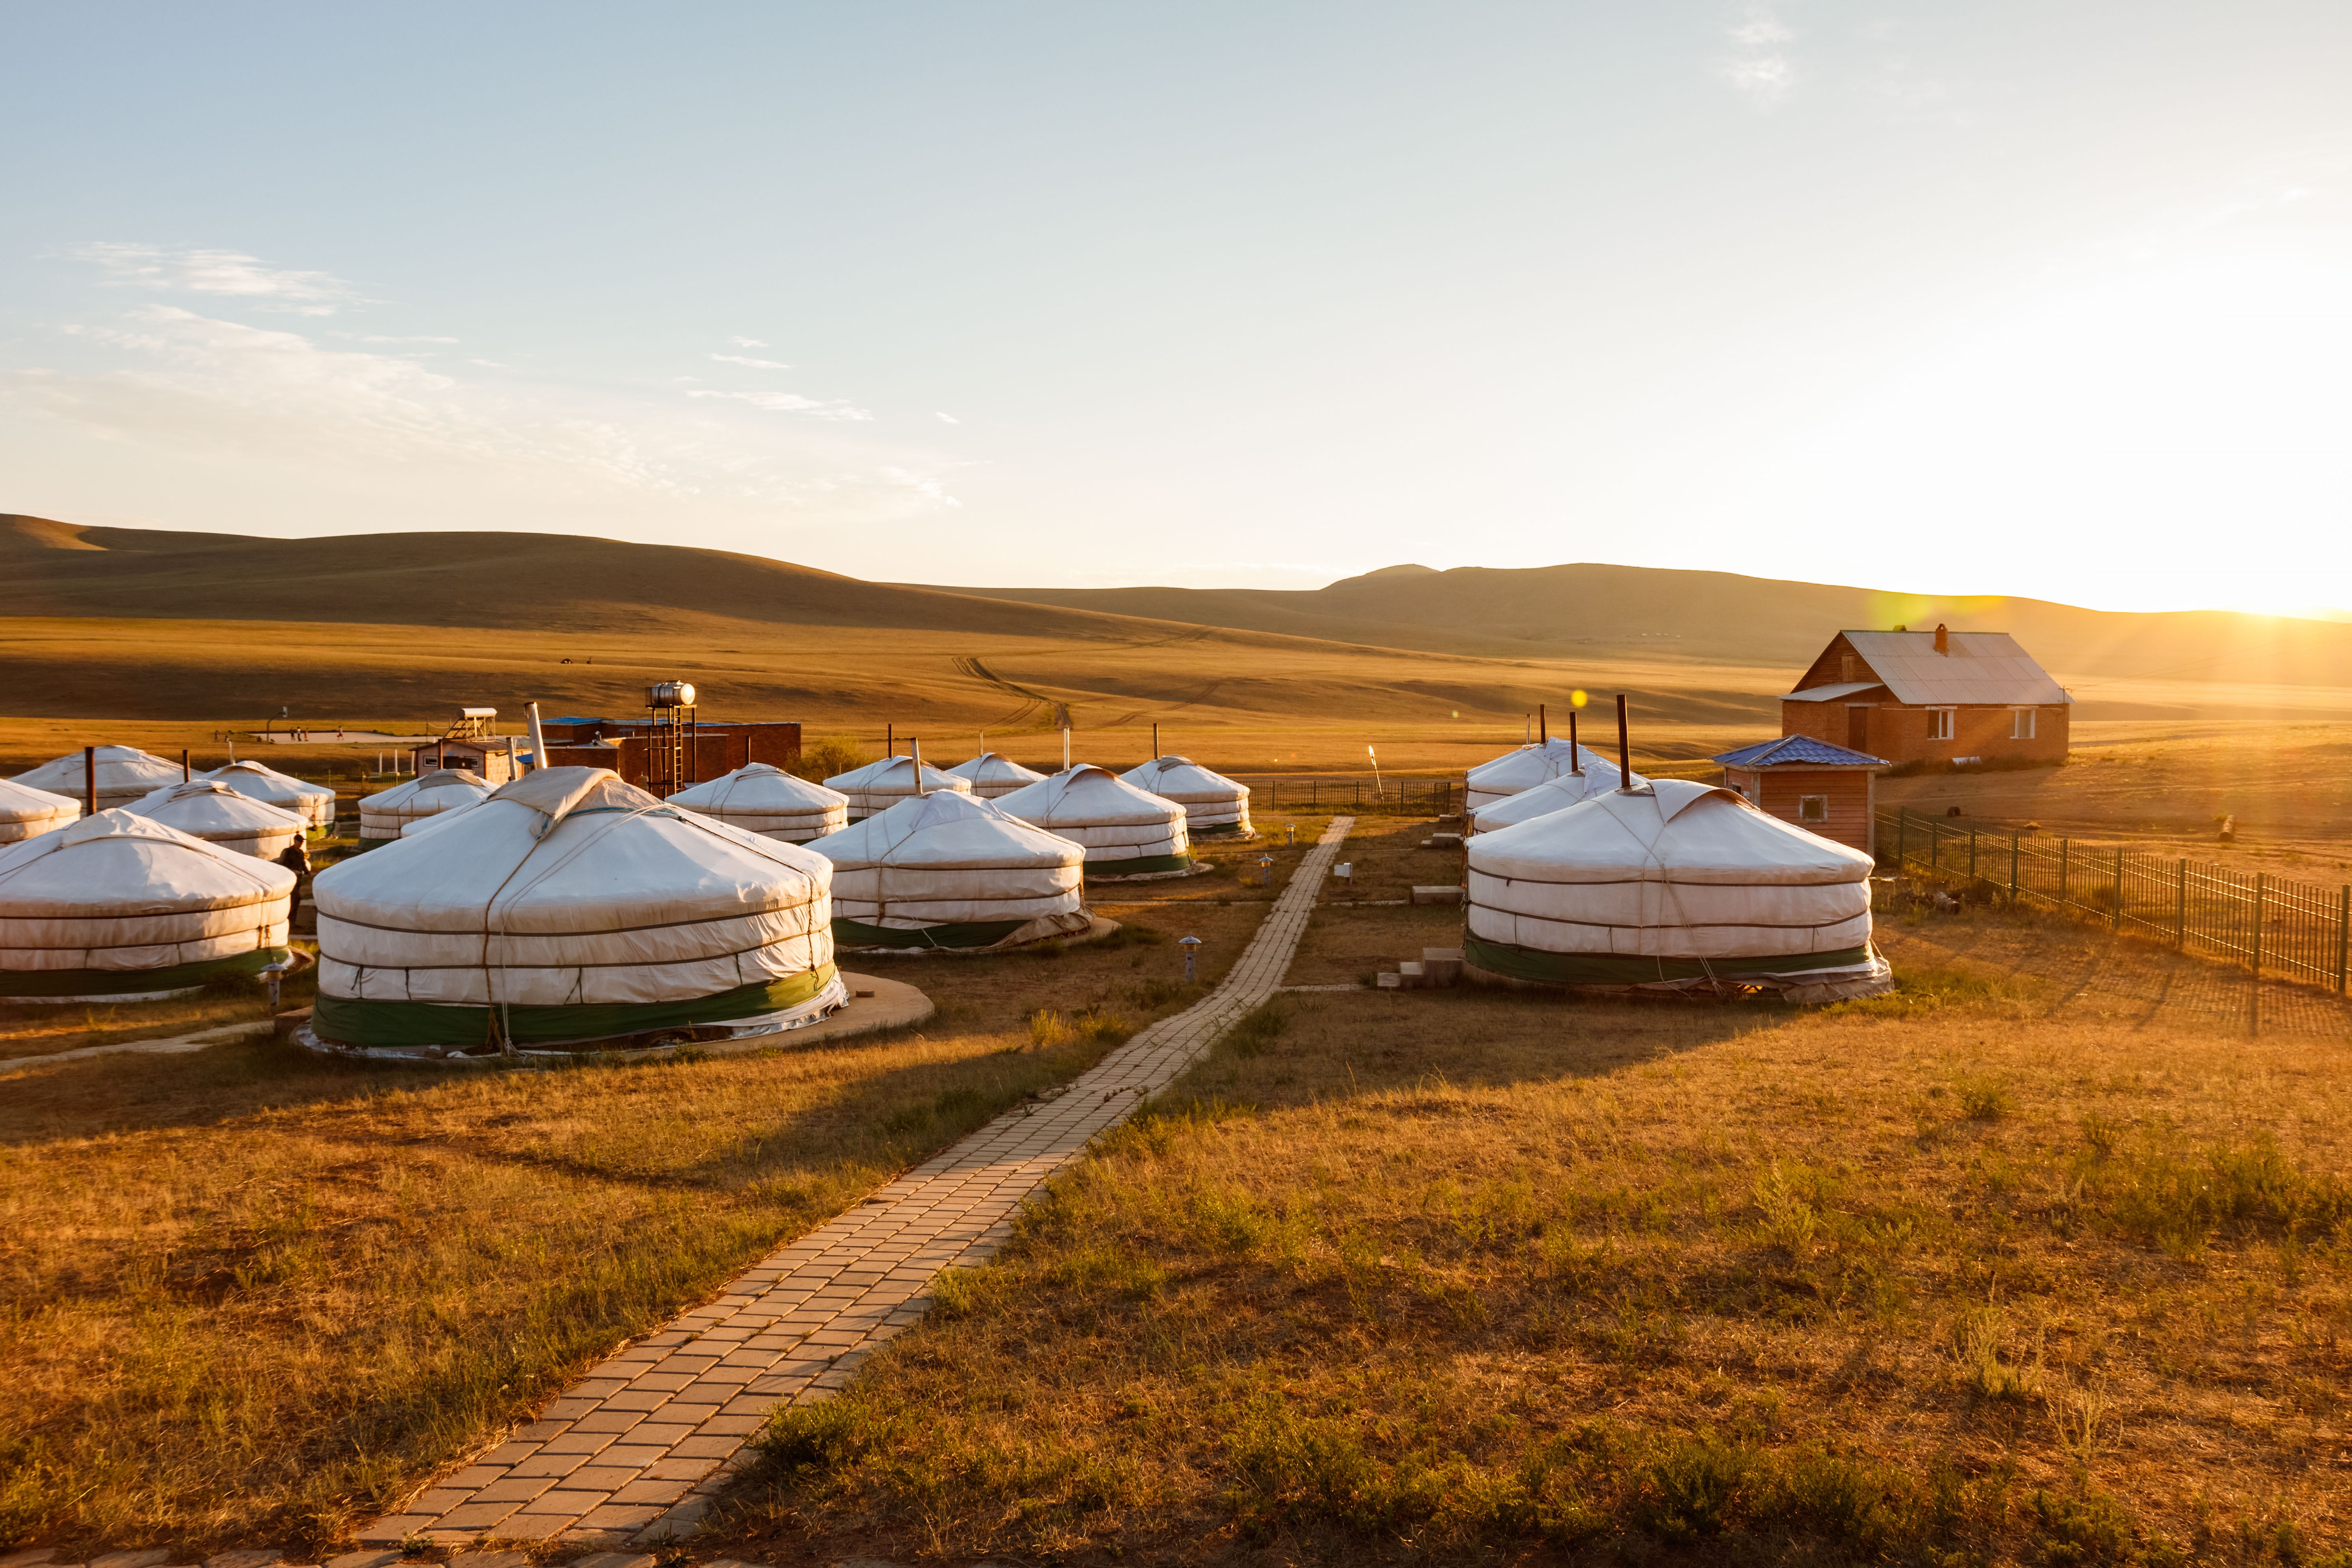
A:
(947, 831)
(118, 903)
(1553, 795)
(763, 790)
(123, 773)
(1526, 768)
(259, 781)
(949, 870)
(26, 811)
(1085, 795)
(426, 795)
(875, 785)
(1671, 881)
(1183, 779)
(210, 810)
(993, 773)
(568, 906)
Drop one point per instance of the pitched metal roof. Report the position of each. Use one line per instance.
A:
(1983, 667)
(1791, 749)
(1831, 693)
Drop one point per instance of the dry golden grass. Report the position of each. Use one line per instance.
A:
(1941, 1277)
(250, 1294)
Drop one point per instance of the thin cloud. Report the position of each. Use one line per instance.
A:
(746, 343)
(1758, 66)
(789, 403)
(754, 363)
(945, 418)
(220, 272)
(372, 338)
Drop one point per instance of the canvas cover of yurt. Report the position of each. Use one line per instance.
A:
(125, 774)
(210, 810)
(27, 813)
(951, 870)
(1125, 832)
(1598, 777)
(568, 909)
(120, 908)
(1673, 884)
(385, 816)
(1524, 769)
(878, 787)
(1214, 806)
(993, 773)
(258, 780)
(768, 801)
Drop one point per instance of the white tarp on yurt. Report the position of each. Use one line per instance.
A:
(1125, 832)
(1599, 776)
(258, 780)
(878, 787)
(1673, 884)
(27, 813)
(570, 907)
(210, 810)
(770, 801)
(385, 816)
(1524, 769)
(124, 774)
(119, 908)
(991, 774)
(1214, 806)
(952, 871)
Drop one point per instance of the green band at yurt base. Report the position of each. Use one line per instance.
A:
(392, 1025)
(1542, 968)
(850, 933)
(1221, 830)
(133, 981)
(1141, 866)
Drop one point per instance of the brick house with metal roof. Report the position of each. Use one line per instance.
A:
(1823, 788)
(1938, 697)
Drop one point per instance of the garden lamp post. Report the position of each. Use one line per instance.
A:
(276, 974)
(1192, 946)
(1266, 864)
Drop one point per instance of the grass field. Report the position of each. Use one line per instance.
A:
(1956, 1276)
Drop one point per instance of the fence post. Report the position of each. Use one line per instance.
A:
(2343, 933)
(2065, 865)
(1972, 853)
(1901, 836)
(2119, 888)
(2014, 839)
(1314, 793)
(2261, 896)
(1360, 792)
(1934, 845)
(2181, 910)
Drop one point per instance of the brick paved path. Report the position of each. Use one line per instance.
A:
(637, 1450)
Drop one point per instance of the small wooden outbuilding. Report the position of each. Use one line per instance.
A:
(1822, 788)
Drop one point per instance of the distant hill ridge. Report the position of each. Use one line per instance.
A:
(527, 581)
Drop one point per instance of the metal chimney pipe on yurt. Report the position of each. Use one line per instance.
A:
(1575, 757)
(537, 739)
(1543, 724)
(915, 749)
(89, 781)
(1624, 749)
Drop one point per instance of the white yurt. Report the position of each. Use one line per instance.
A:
(951, 870)
(770, 801)
(385, 816)
(27, 813)
(1598, 777)
(210, 810)
(1125, 832)
(258, 780)
(125, 774)
(1214, 806)
(568, 911)
(878, 787)
(1675, 886)
(1524, 769)
(119, 908)
(993, 773)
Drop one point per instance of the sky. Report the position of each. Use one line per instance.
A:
(2049, 298)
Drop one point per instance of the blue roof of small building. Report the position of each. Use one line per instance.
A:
(1799, 750)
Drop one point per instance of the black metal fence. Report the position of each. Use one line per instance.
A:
(1305, 791)
(2297, 931)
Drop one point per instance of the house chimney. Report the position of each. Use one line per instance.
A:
(1943, 640)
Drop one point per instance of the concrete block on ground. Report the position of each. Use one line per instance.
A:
(1388, 980)
(1441, 965)
(1408, 975)
(1437, 895)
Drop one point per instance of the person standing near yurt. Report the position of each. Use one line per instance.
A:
(388, 814)
(878, 787)
(1214, 806)
(27, 813)
(768, 801)
(991, 774)
(1671, 885)
(1127, 834)
(125, 774)
(571, 910)
(119, 908)
(952, 871)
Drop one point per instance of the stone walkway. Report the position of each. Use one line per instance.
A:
(639, 1451)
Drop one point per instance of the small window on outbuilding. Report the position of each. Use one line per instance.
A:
(2021, 724)
(1939, 723)
(1812, 809)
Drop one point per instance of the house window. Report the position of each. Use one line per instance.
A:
(1939, 723)
(1812, 809)
(1845, 666)
(2021, 724)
